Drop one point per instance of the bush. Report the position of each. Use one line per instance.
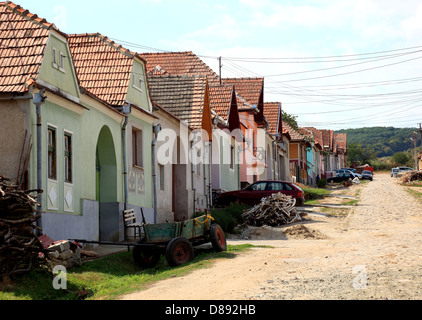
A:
(229, 217)
(322, 183)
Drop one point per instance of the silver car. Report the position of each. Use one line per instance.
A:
(394, 172)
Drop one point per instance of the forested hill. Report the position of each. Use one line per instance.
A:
(385, 141)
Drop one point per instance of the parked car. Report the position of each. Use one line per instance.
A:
(342, 177)
(394, 172)
(253, 194)
(367, 175)
(338, 171)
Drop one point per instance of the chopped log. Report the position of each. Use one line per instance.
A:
(275, 210)
(19, 246)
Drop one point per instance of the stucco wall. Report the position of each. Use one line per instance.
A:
(14, 122)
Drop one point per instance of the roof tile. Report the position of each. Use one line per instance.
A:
(103, 67)
(23, 38)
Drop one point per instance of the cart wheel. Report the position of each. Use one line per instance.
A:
(179, 251)
(218, 239)
(146, 257)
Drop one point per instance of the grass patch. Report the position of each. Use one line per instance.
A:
(108, 277)
(414, 193)
(314, 194)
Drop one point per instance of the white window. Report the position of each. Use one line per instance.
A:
(55, 58)
(137, 81)
(68, 154)
(137, 148)
(62, 57)
(231, 156)
(52, 153)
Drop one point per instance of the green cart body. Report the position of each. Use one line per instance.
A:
(189, 229)
(176, 240)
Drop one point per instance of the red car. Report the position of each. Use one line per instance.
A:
(253, 194)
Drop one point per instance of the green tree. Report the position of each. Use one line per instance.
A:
(357, 153)
(401, 158)
(290, 119)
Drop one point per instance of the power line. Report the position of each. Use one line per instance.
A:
(263, 59)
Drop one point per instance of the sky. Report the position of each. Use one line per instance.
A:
(333, 64)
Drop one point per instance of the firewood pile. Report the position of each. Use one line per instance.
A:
(412, 176)
(19, 246)
(275, 210)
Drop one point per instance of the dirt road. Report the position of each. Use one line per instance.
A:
(373, 253)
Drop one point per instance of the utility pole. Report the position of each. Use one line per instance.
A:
(220, 66)
(420, 131)
(414, 138)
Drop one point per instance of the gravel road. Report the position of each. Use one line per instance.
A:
(371, 253)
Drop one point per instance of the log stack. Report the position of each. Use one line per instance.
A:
(19, 246)
(275, 210)
(412, 176)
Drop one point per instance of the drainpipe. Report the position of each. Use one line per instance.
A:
(274, 143)
(38, 100)
(156, 130)
(126, 110)
(192, 182)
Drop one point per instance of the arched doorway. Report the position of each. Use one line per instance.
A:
(106, 185)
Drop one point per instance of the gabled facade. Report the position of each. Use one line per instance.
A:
(277, 144)
(115, 75)
(188, 153)
(250, 100)
(297, 155)
(224, 109)
(318, 151)
(73, 142)
(340, 149)
(228, 140)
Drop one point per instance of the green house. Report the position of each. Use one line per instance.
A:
(77, 123)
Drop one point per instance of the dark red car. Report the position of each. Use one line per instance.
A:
(253, 194)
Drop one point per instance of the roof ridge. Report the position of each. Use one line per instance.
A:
(25, 13)
(243, 78)
(107, 41)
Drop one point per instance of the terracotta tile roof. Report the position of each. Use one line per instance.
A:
(23, 38)
(327, 139)
(182, 96)
(295, 135)
(178, 64)
(272, 114)
(224, 102)
(317, 134)
(103, 67)
(340, 141)
(221, 99)
(249, 90)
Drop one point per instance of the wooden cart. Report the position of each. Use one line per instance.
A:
(176, 241)
(173, 240)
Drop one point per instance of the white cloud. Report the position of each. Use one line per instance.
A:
(60, 16)
(412, 26)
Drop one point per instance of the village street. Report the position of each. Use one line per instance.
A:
(373, 253)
